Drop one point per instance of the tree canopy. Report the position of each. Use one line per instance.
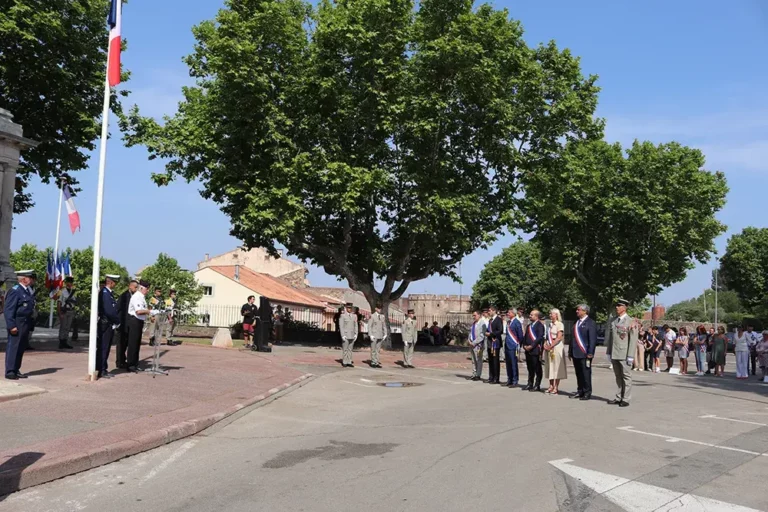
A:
(519, 277)
(702, 308)
(53, 56)
(625, 223)
(744, 268)
(30, 257)
(377, 139)
(167, 274)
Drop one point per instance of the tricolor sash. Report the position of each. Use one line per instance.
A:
(577, 338)
(511, 333)
(530, 332)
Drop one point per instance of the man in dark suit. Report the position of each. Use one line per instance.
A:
(514, 336)
(121, 345)
(493, 335)
(532, 343)
(582, 351)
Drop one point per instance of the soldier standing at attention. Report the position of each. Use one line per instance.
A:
(622, 337)
(157, 318)
(66, 309)
(410, 334)
(348, 327)
(18, 309)
(377, 331)
(170, 320)
(109, 320)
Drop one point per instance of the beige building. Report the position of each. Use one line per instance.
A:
(259, 261)
(227, 287)
(427, 305)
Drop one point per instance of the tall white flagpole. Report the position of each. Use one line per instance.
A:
(56, 246)
(95, 274)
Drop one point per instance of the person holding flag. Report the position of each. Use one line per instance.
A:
(582, 351)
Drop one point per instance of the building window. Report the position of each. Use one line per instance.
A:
(207, 291)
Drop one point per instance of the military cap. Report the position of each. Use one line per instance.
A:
(144, 283)
(26, 273)
(622, 302)
(70, 279)
(350, 305)
(113, 277)
(411, 311)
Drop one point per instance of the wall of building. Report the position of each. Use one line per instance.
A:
(259, 261)
(429, 305)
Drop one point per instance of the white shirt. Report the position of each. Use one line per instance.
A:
(670, 336)
(753, 338)
(138, 303)
(581, 321)
(741, 343)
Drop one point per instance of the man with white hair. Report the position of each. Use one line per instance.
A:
(137, 314)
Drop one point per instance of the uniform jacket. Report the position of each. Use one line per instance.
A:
(19, 306)
(534, 337)
(410, 332)
(377, 326)
(108, 307)
(583, 339)
(515, 327)
(621, 338)
(348, 326)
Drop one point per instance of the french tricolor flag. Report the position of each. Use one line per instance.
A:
(74, 217)
(113, 63)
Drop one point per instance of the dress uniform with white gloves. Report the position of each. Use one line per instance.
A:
(377, 331)
(19, 317)
(349, 328)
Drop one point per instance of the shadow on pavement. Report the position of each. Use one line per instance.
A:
(11, 470)
(44, 371)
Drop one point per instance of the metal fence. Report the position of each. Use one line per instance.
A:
(227, 315)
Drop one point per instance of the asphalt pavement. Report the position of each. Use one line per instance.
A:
(357, 439)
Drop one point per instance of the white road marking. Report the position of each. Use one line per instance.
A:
(714, 417)
(167, 462)
(357, 384)
(366, 380)
(672, 439)
(639, 497)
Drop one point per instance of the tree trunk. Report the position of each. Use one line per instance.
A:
(387, 344)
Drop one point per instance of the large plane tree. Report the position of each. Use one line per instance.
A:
(378, 139)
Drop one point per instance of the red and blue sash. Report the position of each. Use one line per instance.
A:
(577, 338)
(511, 333)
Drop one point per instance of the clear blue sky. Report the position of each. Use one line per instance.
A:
(692, 71)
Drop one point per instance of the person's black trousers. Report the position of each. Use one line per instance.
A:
(494, 365)
(583, 376)
(535, 370)
(135, 329)
(649, 359)
(753, 359)
(121, 346)
(104, 336)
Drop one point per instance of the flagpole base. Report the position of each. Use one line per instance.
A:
(93, 377)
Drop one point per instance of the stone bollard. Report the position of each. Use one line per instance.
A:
(223, 338)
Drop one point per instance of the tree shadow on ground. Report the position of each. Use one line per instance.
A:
(11, 470)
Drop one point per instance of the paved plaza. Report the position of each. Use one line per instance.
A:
(355, 439)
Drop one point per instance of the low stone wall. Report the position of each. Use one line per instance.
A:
(194, 331)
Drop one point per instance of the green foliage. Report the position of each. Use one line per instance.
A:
(166, 274)
(625, 223)
(52, 72)
(744, 268)
(30, 257)
(729, 308)
(519, 277)
(368, 137)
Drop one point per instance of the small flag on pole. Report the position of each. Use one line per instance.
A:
(49, 272)
(115, 21)
(74, 217)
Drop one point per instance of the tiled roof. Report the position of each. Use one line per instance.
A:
(271, 287)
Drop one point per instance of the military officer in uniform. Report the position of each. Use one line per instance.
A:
(349, 329)
(18, 311)
(109, 320)
(157, 318)
(621, 341)
(173, 313)
(66, 310)
(377, 331)
(410, 334)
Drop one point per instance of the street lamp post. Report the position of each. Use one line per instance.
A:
(717, 261)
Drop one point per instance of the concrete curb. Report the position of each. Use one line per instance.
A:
(15, 479)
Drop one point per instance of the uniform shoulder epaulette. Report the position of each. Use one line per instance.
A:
(15, 287)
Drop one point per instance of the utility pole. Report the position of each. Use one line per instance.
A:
(717, 261)
(705, 303)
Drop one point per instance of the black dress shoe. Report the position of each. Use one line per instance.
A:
(623, 404)
(586, 397)
(11, 376)
(527, 387)
(537, 388)
(133, 369)
(350, 366)
(613, 402)
(21, 375)
(576, 395)
(65, 346)
(511, 385)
